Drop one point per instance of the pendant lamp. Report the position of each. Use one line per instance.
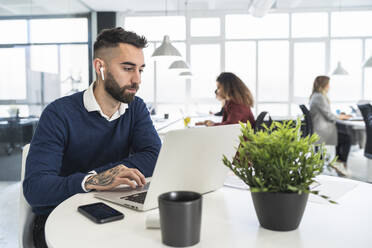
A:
(340, 70)
(185, 74)
(368, 62)
(166, 49)
(179, 65)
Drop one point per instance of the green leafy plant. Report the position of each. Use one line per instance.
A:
(278, 159)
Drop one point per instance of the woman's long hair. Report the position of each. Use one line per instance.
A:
(234, 88)
(319, 85)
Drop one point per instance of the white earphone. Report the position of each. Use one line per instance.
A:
(101, 70)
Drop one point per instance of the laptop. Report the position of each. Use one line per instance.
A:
(190, 159)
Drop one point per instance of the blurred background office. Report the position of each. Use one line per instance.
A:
(277, 48)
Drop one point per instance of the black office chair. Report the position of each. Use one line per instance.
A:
(307, 124)
(366, 110)
(260, 120)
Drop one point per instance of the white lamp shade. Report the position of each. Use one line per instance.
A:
(368, 62)
(179, 65)
(340, 70)
(166, 49)
(259, 8)
(185, 74)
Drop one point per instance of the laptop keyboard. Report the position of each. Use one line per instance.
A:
(139, 198)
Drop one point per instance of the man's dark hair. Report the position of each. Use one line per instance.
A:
(113, 36)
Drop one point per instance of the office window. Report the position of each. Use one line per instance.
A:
(44, 83)
(368, 71)
(351, 23)
(73, 68)
(174, 26)
(13, 31)
(59, 30)
(44, 58)
(263, 56)
(33, 73)
(349, 53)
(275, 110)
(13, 73)
(146, 89)
(309, 25)
(309, 62)
(241, 59)
(247, 26)
(273, 70)
(296, 111)
(205, 27)
(170, 86)
(205, 64)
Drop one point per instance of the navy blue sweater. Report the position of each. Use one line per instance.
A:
(70, 141)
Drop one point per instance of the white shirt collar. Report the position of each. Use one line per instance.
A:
(91, 104)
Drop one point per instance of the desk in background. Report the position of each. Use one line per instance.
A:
(163, 126)
(354, 124)
(356, 129)
(16, 132)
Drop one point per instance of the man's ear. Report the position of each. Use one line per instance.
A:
(99, 67)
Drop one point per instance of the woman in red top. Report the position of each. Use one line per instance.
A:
(238, 100)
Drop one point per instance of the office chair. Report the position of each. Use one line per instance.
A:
(361, 161)
(307, 128)
(366, 110)
(260, 120)
(307, 124)
(26, 216)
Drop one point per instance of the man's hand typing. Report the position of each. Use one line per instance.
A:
(113, 177)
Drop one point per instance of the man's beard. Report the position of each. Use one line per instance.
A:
(113, 88)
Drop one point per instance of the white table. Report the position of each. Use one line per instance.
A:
(356, 125)
(229, 220)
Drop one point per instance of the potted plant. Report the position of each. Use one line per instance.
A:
(279, 166)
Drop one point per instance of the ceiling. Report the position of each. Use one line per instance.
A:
(54, 7)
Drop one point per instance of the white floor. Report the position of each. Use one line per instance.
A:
(9, 212)
(360, 167)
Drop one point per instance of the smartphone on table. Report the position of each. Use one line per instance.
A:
(100, 213)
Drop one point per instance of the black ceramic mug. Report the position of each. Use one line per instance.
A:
(180, 218)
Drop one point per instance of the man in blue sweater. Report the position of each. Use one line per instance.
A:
(96, 139)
